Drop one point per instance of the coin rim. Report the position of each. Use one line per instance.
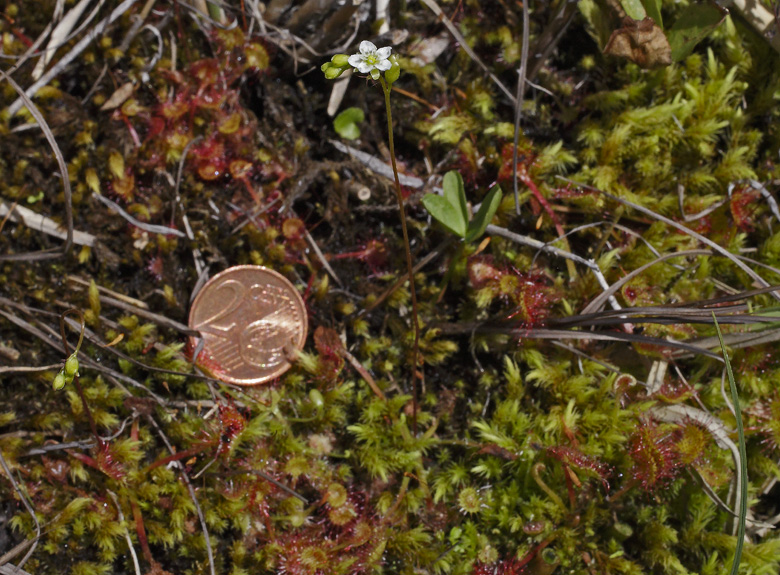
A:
(299, 345)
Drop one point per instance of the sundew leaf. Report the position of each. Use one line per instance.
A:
(485, 214)
(346, 123)
(695, 23)
(445, 213)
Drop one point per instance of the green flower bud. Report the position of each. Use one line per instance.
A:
(375, 73)
(72, 366)
(340, 60)
(59, 381)
(332, 72)
(392, 74)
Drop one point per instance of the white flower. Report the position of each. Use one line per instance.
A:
(371, 60)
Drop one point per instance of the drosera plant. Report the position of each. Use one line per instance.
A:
(376, 61)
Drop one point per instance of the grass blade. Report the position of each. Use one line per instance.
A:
(742, 455)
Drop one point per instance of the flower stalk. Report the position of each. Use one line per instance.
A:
(409, 265)
(376, 61)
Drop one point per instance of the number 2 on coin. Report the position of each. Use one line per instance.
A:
(231, 302)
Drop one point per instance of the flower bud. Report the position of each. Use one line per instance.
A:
(333, 72)
(340, 60)
(72, 366)
(392, 74)
(59, 381)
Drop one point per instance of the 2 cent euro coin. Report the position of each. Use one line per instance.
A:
(252, 320)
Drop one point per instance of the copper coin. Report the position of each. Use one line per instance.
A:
(250, 319)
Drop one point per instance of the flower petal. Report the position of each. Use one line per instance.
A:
(384, 53)
(383, 65)
(355, 60)
(367, 48)
(364, 68)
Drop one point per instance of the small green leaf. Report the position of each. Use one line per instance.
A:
(392, 74)
(653, 9)
(485, 214)
(346, 123)
(455, 193)
(445, 213)
(634, 9)
(695, 23)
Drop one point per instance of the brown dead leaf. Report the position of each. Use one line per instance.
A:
(118, 97)
(642, 42)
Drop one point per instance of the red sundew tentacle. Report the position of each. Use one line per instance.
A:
(22, 37)
(103, 461)
(232, 423)
(571, 456)
(85, 459)
(130, 129)
(568, 475)
(526, 179)
(655, 457)
(345, 255)
(374, 254)
(743, 206)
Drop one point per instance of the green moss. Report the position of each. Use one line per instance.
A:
(524, 451)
